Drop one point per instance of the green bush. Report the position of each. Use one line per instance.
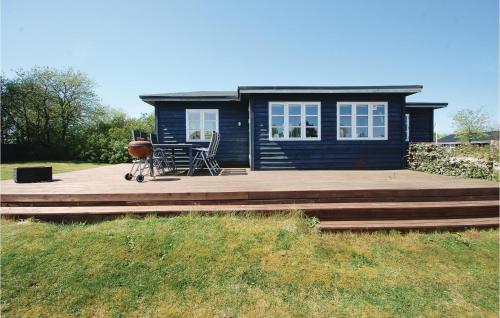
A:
(106, 134)
(444, 160)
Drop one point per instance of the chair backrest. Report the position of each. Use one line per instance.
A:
(136, 135)
(214, 144)
(139, 135)
(153, 138)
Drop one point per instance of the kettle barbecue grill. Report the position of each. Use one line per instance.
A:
(140, 150)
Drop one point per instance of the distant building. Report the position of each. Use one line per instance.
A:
(490, 137)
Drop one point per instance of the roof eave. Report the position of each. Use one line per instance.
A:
(153, 100)
(426, 105)
(329, 90)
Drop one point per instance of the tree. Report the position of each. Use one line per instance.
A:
(471, 124)
(41, 106)
(55, 114)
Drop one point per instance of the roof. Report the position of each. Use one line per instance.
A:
(425, 105)
(236, 95)
(453, 139)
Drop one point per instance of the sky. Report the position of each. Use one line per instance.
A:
(130, 48)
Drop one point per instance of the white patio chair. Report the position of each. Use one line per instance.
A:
(206, 156)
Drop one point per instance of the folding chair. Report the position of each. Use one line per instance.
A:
(206, 156)
(162, 159)
(138, 135)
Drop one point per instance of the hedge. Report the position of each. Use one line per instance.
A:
(444, 160)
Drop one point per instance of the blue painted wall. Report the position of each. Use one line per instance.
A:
(421, 124)
(328, 153)
(233, 149)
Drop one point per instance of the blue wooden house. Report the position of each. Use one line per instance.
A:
(299, 127)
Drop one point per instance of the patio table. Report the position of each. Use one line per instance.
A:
(172, 147)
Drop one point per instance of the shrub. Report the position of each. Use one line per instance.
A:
(106, 134)
(444, 160)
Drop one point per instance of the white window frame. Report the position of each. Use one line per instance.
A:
(370, 120)
(407, 122)
(202, 123)
(302, 121)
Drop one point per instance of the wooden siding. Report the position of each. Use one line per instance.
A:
(328, 153)
(421, 124)
(233, 149)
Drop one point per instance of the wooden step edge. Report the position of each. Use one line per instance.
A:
(253, 195)
(323, 209)
(421, 224)
(279, 206)
(244, 201)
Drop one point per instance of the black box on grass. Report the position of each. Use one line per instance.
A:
(32, 174)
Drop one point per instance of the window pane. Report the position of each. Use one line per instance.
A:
(208, 134)
(277, 109)
(294, 109)
(277, 120)
(278, 132)
(210, 115)
(294, 132)
(194, 115)
(361, 109)
(345, 121)
(311, 120)
(378, 120)
(362, 132)
(311, 109)
(311, 132)
(345, 109)
(210, 125)
(378, 132)
(194, 125)
(345, 132)
(378, 110)
(361, 120)
(294, 120)
(194, 134)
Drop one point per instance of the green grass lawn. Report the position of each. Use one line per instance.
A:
(235, 266)
(57, 167)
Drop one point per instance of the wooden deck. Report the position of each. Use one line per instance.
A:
(359, 197)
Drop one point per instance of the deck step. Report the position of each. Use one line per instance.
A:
(252, 197)
(405, 225)
(324, 211)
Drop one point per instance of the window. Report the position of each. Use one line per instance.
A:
(362, 121)
(295, 121)
(200, 123)
(407, 127)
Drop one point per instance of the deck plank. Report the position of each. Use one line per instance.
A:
(386, 208)
(422, 224)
